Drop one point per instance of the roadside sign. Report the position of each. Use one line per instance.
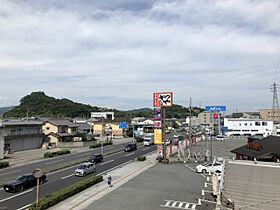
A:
(159, 150)
(157, 124)
(157, 114)
(163, 99)
(215, 116)
(157, 136)
(123, 125)
(215, 108)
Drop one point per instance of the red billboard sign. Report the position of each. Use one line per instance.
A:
(163, 99)
(216, 116)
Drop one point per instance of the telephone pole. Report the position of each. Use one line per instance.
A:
(275, 104)
(190, 125)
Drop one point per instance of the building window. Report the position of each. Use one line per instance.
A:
(264, 123)
(245, 123)
(48, 128)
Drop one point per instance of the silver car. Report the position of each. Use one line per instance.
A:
(85, 168)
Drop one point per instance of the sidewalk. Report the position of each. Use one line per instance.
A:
(120, 175)
(36, 155)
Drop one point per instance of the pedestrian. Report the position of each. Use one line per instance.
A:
(109, 179)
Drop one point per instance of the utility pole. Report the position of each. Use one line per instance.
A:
(212, 131)
(102, 132)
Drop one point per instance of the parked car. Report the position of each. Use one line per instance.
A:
(220, 138)
(96, 158)
(23, 182)
(84, 169)
(209, 167)
(167, 142)
(130, 147)
(139, 139)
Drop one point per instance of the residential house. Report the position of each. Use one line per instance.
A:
(109, 127)
(59, 130)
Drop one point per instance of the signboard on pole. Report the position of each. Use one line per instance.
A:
(215, 108)
(215, 116)
(160, 151)
(157, 114)
(157, 124)
(157, 136)
(163, 99)
(123, 125)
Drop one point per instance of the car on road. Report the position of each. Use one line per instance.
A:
(23, 182)
(96, 158)
(130, 147)
(220, 138)
(84, 169)
(148, 141)
(209, 167)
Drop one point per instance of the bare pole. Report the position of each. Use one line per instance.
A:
(164, 135)
(190, 125)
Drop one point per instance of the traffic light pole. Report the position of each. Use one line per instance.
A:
(164, 135)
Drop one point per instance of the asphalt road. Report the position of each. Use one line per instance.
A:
(63, 178)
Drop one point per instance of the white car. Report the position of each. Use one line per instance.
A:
(220, 138)
(148, 142)
(167, 142)
(84, 169)
(209, 167)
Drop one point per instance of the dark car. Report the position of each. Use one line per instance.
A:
(22, 182)
(95, 158)
(130, 147)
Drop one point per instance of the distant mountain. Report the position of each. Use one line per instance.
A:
(3, 110)
(38, 104)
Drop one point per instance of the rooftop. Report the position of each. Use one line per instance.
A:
(252, 186)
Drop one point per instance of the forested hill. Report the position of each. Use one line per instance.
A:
(38, 104)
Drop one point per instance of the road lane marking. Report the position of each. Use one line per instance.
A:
(67, 176)
(24, 207)
(53, 162)
(5, 199)
(145, 149)
(130, 154)
(10, 172)
(1, 188)
(114, 154)
(54, 172)
(194, 170)
(106, 162)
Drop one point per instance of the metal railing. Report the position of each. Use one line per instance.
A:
(20, 133)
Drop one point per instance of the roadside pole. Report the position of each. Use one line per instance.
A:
(164, 135)
(133, 132)
(102, 133)
(190, 127)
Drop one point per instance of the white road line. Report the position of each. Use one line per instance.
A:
(145, 149)
(1, 188)
(174, 204)
(168, 202)
(67, 176)
(130, 154)
(193, 206)
(114, 154)
(180, 205)
(10, 172)
(24, 207)
(187, 205)
(53, 162)
(106, 162)
(54, 172)
(194, 170)
(5, 199)
(83, 155)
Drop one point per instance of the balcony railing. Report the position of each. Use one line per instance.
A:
(20, 133)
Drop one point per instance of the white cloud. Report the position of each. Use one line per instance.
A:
(218, 52)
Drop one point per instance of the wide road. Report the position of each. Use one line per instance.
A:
(50, 162)
(63, 178)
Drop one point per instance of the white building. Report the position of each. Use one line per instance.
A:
(105, 115)
(248, 127)
(1, 148)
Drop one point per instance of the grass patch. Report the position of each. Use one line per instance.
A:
(57, 153)
(141, 158)
(4, 164)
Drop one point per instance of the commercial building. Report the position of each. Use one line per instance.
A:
(104, 115)
(109, 127)
(249, 115)
(248, 127)
(269, 114)
(19, 135)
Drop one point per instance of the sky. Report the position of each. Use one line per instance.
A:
(117, 53)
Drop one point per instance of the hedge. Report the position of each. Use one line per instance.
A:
(99, 144)
(4, 164)
(52, 154)
(54, 198)
(141, 158)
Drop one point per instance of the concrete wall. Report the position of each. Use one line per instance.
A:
(1, 149)
(75, 144)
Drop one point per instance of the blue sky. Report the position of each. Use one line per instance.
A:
(116, 53)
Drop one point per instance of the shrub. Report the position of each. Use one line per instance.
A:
(63, 152)
(65, 193)
(4, 164)
(99, 144)
(48, 155)
(52, 154)
(141, 158)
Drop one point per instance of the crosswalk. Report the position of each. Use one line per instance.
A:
(178, 205)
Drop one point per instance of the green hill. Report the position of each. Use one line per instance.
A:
(38, 104)
(3, 110)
